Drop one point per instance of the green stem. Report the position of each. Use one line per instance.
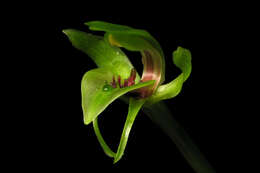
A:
(102, 142)
(160, 114)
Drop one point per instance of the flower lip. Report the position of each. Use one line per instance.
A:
(152, 59)
(152, 71)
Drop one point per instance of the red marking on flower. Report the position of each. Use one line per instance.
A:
(119, 81)
(127, 82)
(152, 71)
(113, 83)
(131, 79)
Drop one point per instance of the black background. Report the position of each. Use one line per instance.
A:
(54, 136)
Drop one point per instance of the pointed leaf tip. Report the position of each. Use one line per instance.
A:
(68, 32)
(65, 31)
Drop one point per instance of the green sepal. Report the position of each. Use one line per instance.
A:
(182, 59)
(134, 107)
(101, 140)
(97, 95)
(101, 52)
(126, 30)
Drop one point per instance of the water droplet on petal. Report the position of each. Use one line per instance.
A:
(107, 87)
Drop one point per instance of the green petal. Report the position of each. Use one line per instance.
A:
(134, 107)
(97, 94)
(101, 52)
(136, 40)
(101, 141)
(122, 29)
(182, 59)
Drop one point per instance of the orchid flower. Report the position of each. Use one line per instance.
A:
(116, 77)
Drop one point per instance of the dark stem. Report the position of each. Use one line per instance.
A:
(160, 114)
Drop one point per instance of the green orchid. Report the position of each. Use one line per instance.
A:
(116, 77)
